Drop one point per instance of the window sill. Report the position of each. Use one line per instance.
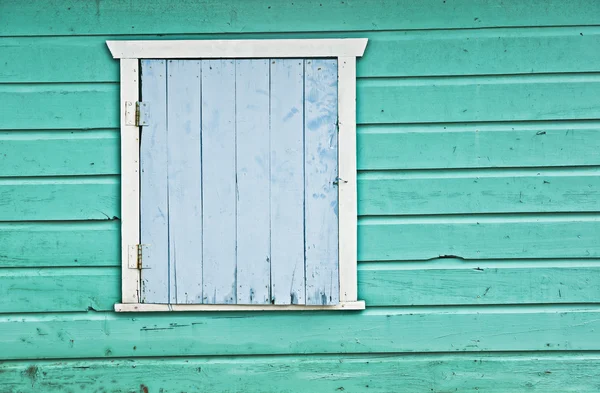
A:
(143, 307)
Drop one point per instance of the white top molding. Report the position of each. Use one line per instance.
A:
(219, 49)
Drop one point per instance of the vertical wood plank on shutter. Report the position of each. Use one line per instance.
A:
(154, 212)
(252, 140)
(287, 182)
(219, 188)
(185, 204)
(321, 199)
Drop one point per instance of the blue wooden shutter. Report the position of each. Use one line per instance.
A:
(238, 182)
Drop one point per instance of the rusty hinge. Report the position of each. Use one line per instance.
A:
(139, 256)
(137, 113)
(135, 256)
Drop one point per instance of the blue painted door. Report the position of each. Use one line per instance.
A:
(238, 182)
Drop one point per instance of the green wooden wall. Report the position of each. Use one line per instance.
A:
(479, 193)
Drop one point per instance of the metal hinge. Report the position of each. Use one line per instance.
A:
(135, 256)
(137, 113)
(139, 256)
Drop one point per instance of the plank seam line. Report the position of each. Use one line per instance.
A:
(484, 123)
(510, 75)
(559, 355)
(305, 33)
(470, 123)
(482, 172)
(592, 216)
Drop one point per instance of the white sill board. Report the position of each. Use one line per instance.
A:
(144, 307)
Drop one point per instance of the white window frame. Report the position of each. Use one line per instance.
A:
(129, 53)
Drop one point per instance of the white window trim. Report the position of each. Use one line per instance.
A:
(346, 51)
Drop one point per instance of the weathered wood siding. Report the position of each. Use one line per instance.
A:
(479, 252)
(220, 191)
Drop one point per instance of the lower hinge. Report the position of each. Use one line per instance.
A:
(136, 256)
(139, 256)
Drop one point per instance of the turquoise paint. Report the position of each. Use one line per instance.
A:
(465, 108)
(372, 373)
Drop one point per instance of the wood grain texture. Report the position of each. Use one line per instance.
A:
(462, 99)
(154, 191)
(380, 100)
(380, 193)
(59, 289)
(481, 52)
(72, 198)
(59, 106)
(445, 281)
(60, 244)
(484, 145)
(209, 16)
(491, 373)
(96, 243)
(391, 53)
(387, 284)
(287, 182)
(184, 181)
(478, 191)
(479, 237)
(51, 153)
(253, 231)
(218, 182)
(320, 177)
(378, 330)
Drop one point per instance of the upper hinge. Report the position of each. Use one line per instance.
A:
(137, 113)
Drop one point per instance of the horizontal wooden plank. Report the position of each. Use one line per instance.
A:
(211, 16)
(42, 153)
(530, 144)
(479, 237)
(59, 106)
(60, 244)
(478, 191)
(475, 237)
(389, 284)
(47, 153)
(396, 53)
(382, 284)
(68, 59)
(64, 198)
(380, 100)
(62, 289)
(490, 373)
(461, 99)
(377, 330)
(482, 52)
